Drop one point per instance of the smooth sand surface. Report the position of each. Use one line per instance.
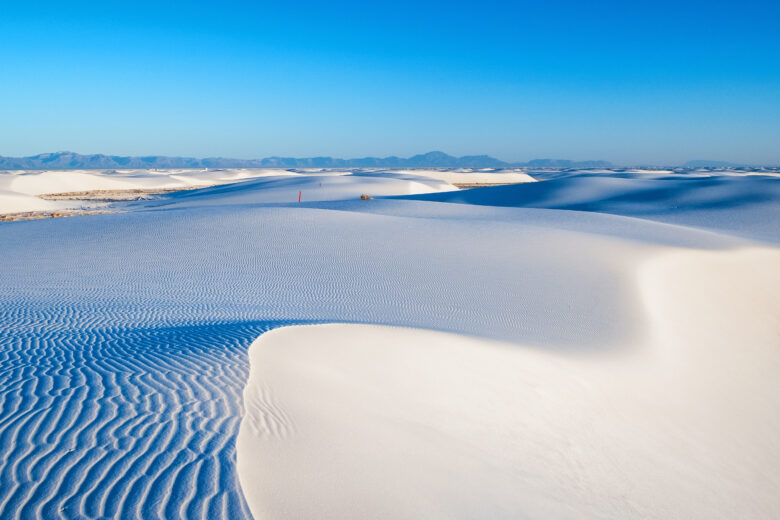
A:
(19, 189)
(15, 202)
(472, 176)
(357, 420)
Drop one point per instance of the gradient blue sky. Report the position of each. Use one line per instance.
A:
(632, 81)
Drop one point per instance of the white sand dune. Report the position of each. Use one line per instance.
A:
(573, 363)
(471, 176)
(748, 206)
(307, 188)
(15, 202)
(369, 421)
(18, 189)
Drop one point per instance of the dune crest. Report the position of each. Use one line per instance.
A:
(404, 423)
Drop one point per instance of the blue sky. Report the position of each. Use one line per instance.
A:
(632, 82)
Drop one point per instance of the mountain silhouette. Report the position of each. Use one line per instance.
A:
(75, 161)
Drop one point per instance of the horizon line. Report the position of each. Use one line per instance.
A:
(564, 162)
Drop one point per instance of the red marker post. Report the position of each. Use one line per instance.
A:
(299, 196)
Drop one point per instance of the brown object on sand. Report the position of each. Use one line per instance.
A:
(116, 195)
(36, 215)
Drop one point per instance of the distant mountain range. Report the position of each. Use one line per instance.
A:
(74, 161)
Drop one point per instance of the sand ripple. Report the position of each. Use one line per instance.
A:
(122, 422)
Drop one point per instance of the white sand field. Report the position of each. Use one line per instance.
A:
(591, 345)
(19, 190)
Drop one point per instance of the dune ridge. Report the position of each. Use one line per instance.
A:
(402, 423)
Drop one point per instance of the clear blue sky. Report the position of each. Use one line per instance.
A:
(628, 81)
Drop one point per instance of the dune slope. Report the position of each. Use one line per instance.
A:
(357, 420)
(748, 206)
